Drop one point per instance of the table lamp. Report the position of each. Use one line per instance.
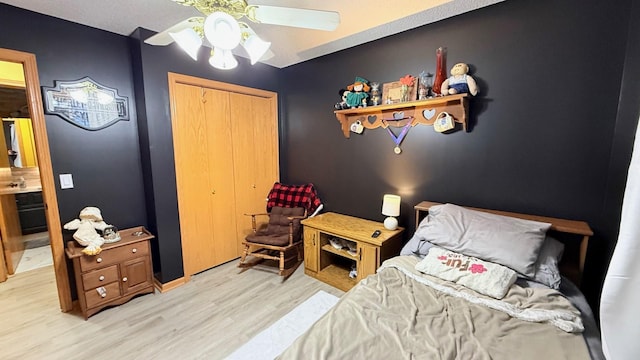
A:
(391, 208)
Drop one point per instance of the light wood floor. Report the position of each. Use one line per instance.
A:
(208, 318)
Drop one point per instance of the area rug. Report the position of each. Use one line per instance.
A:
(272, 341)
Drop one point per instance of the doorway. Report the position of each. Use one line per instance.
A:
(24, 178)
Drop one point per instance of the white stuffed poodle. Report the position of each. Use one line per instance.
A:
(86, 234)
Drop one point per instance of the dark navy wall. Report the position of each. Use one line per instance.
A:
(151, 65)
(542, 128)
(551, 132)
(105, 164)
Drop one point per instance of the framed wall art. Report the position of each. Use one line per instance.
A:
(85, 103)
(392, 92)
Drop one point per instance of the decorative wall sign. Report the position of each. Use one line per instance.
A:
(85, 103)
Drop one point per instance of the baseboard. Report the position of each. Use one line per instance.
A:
(170, 285)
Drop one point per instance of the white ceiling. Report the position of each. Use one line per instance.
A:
(361, 20)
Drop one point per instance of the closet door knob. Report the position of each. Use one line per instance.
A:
(101, 278)
(213, 192)
(124, 279)
(254, 186)
(134, 250)
(99, 260)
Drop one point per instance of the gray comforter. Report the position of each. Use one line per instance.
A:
(393, 315)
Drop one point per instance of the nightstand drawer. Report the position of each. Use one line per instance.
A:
(111, 291)
(100, 277)
(113, 255)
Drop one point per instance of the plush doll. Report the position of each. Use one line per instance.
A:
(343, 103)
(459, 82)
(358, 93)
(86, 234)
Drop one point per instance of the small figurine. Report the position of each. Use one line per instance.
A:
(459, 81)
(86, 234)
(375, 93)
(358, 93)
(424, 86)
(343, 103)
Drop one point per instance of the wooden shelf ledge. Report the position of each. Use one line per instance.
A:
(417, 112)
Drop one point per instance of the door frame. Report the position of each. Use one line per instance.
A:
(36, 110)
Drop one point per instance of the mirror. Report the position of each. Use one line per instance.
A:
(19, 142)
(16, 129)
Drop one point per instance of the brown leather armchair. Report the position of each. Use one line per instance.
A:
(280, 239)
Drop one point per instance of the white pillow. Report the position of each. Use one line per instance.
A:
(547, 271)
(512, 242)
(482, 276)
(416, 246)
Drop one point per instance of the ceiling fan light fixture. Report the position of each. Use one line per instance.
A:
(255, 47)
(189, 41)
(222, 59)
(222, 30)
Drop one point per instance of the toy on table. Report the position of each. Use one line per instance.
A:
(90, 220)
(459, 81)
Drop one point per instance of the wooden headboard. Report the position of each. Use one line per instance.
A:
(570, 266)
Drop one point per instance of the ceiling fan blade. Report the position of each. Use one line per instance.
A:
(163, 38)
(303, 18)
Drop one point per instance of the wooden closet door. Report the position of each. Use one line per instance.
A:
(221, 163)
(254, 122)
(204, 176)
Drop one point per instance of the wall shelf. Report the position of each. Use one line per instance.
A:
(417, 112)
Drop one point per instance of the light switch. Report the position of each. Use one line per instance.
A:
(66, 181)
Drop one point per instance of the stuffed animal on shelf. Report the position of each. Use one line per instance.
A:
(459, 82)
(343, 103)
(90, 220)
(358, 92)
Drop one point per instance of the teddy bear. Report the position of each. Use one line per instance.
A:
(358, 92)
(459, 81)
(90, 220)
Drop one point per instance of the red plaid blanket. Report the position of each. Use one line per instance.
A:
(293, 196)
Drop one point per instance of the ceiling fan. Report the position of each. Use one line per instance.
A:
(222, 28)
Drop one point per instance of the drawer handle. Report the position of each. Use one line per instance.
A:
(124, 279)
(99, 260)
(102, 291)
(134, 250)
(101, 278)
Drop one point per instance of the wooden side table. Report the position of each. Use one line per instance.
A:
(121, 271)
(328, 264)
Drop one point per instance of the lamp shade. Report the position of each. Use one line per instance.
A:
(391, 205)
(255, 47)
(189, 41)
(222, 30)
(222, 59)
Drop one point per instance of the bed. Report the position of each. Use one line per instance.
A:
(410, 310)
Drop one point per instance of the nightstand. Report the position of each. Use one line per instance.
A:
(121, 271)
(332, 266)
